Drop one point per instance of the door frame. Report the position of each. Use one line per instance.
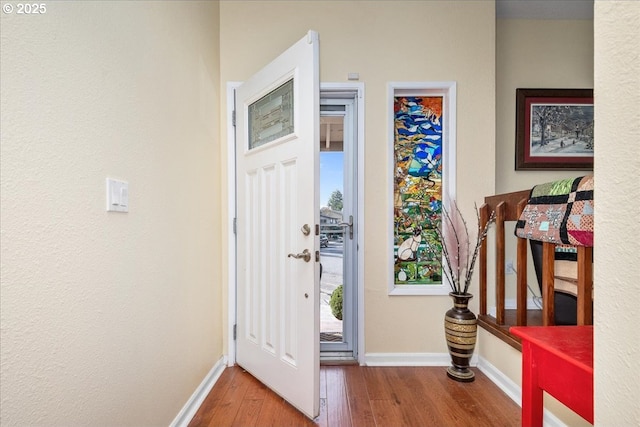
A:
(347, 348)
(231, 213)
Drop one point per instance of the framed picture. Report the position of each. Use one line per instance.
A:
(554, 129)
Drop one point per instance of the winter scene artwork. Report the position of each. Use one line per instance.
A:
(554, 129)
(561, 130)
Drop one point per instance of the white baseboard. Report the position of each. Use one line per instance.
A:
(513, 390)
(193, 404)
(411, 359)
(503, 382)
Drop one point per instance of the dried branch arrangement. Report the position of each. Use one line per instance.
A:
(456, 247)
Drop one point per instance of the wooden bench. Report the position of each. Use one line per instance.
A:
(558, 360)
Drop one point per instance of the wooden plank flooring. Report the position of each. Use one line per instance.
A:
(356, 396)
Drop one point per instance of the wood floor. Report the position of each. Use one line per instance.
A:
(363, 396)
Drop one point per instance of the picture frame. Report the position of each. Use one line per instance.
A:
(554, 129)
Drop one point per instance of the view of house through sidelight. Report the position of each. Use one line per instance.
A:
(338, 244)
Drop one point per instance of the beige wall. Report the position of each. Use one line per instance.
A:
(434, 41)
(532, 54)
(616, 85)
(535, 54)
(109, 318)
(617, 271)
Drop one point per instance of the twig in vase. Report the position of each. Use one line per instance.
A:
(456, 247)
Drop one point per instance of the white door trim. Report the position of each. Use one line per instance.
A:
(231, 210)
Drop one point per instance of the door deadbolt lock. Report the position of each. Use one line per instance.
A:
(305, 255)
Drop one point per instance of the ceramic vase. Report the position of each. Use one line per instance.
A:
(460, 328)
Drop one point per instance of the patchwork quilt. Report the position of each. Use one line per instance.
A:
(560, 212)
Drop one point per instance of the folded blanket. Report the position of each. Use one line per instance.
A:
(560, 212)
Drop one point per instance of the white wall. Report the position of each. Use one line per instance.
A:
(617, 243)
(387, 41)
(108, 318)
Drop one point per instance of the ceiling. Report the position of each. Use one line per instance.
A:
(544, 9)
(331, 133)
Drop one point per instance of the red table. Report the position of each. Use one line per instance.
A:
(558, 360)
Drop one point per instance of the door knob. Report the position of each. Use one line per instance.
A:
(305, 255)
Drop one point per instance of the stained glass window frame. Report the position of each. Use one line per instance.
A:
(411, 157)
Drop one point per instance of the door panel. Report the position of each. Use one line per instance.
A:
(277, 133)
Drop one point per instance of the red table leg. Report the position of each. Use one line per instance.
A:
(532, 397)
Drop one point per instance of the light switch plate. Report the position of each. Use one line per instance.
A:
(117, 195)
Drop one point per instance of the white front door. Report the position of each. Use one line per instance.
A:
(277, 150)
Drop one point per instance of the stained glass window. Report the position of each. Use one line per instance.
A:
(417, 150)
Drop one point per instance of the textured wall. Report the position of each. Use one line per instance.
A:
(386, 41)
(617, 244)
(108, 318)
